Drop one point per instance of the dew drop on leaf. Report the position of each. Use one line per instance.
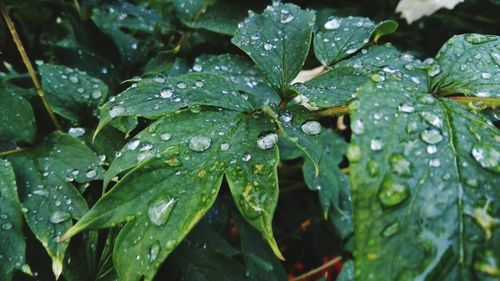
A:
(488, 157)
(353, 153)
(76, 131)
(432, 119)
(59, 216)
(332, 24)
(477, 39)
(268, 46)
(154, 251)
(390, 229)
(181, 85)
(159, 79)
(224, 146)
(406, 108)
(246, 157)
(431, 136)
(133, 144)
(434, 70)
(311, 128)
(267, 141)
(166, 92)
(7, 226)
(376, 144)
(116, 111)
(357, 127)
(165, 136)
(159, 210)
(91, 173)
(392, 193)
(199, 143)
(400, 165)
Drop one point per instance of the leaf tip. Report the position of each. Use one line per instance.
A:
(57, 267)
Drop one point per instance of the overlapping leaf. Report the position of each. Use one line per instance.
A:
(278, 41)
(467, 64)
(153, 97)
(12, 245)
(70, 92)
(340, 37)
(17, 121)
(123, 22)
(44, 176)
(424, 175)
(242, 74)
(180, 150)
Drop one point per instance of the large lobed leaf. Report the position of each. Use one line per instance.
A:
(175, 168)
(424, 177)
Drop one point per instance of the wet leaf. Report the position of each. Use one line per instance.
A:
(423, 172)
(17, 121)
(278, 41)
(70, 92)
(340, 37)
(12, 244)
(183, 149)
(467, 64)
(45, 175)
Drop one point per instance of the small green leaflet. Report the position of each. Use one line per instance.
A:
(467, 64)
(12, 244)
(423, 175)
(123, 21)
(70, 92)
(17, 121)
(154, 97)
(242, 74)
(183, 149)
(278, 41)
(44, 176)
(340, 37)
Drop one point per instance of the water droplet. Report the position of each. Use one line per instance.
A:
(311, 128)
(246, 157)
(76, 131)
(7, 226)
(431, 136)
(181, 85)
(199, 83)
(432, 119)
(159, 79)
(391, 229)
(165, 136)
(116, 111)
(286, 19)
(431, 149)
(159, 210)
(267, 141)
(197, 68)
(486, 75)
(377, 78)
(224, 146)
(133, 144)
(73, 79)
(353, 153)
(434, 70)
(59, 216)
(373, 167)
(392, 193)
(199, 143)
(376, 144)
(487, 156)
(194, 108)
(41, 192)
(91, 173)
(406, 108)
(357, 127)
(268, 46)
(96, 94)
(154, 251)
(166, 92)
(434, 162)
(286, 117)
(400, 165)
(332, 24)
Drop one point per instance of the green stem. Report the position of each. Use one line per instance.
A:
(316, 270)
(487, 102)
(27, 63)
(13, 151)
(333, 111)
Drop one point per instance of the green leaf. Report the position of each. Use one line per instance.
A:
(340, 37)
(188, 11)
(242, 74)
(467, 64)
(183, 149)
(423, 175)
(17, 121)
(338, 86)
(131, 28)
(12, 244)
(45, 175)
(347, 273)
(278, 41)
(154, 97)
(70, 92)
(330, 182)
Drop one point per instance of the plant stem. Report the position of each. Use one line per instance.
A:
(488, 102)
(316, 270)
(9, 152)
(27, 63)
(333, 111)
